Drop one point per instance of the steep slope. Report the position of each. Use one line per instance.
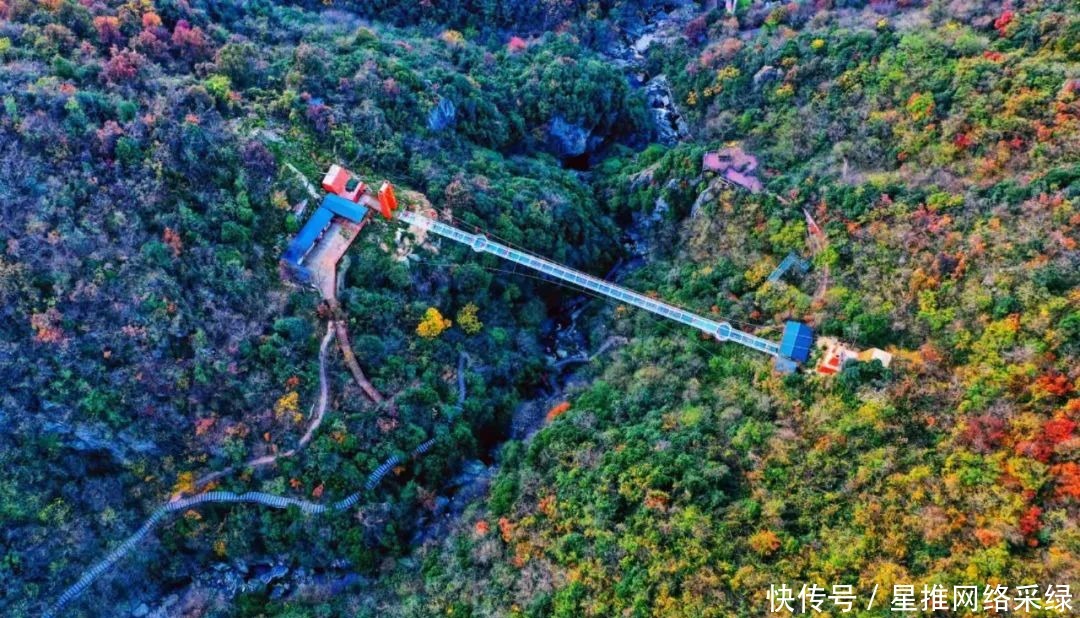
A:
(147, 338)
(938, 148)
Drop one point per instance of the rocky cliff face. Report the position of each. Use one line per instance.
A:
(670, 127)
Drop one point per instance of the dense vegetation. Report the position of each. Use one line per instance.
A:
(938, 147)
(147, 192)
(490, 20)
(147, 189)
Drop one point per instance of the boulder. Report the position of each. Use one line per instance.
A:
(567, 140)
(766, 74)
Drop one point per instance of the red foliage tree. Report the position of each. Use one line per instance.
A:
(171, 238)
(1053, 384)
(390, 87)
(983, 433)
(1001, 24)
(46, 326)
(123, 66)
(963, 141)
(108, 30)
(1068, 480)
(1058, 430)
(190, 41)
(695, 30)
(1036, 449)
(1054, 432)
(149, 43)
(1029, 524)
(106, 138)
(516, 44)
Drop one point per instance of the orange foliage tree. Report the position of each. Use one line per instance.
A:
(557, 411)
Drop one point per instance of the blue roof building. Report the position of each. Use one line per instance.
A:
(344, 208)
(797, 341)
(305, 240)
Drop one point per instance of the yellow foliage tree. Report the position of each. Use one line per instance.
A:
(289, 402)
(467, 319)
(433, 324)
(452, 37)
(764, 542)
(185, 483)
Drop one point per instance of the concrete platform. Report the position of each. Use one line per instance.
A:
(327, 253)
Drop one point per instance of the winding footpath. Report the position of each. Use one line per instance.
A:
(218, 497)
(350, 362)
(253, 497)
(319, 411)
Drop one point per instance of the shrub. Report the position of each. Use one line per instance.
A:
(468, 321)
(219, 86)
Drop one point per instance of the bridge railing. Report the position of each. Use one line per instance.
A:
(721, 330)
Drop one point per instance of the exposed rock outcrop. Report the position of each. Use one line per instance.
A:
(767, 74)
(670, 125)
(567, 140)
